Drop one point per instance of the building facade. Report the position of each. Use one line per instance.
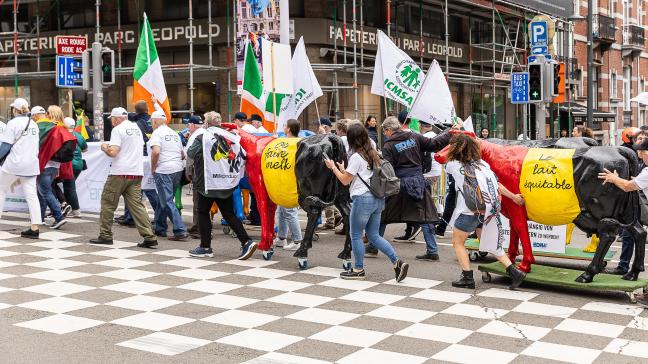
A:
(485, 42)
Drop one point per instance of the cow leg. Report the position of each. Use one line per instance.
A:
(639, 235)
(267, 211)
(518, 222)
(307, 242)
(513, 249)
(344, 206)
(607, 234)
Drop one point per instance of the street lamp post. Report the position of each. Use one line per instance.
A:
(590, 62)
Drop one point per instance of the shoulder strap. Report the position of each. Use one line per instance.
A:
(23, 132)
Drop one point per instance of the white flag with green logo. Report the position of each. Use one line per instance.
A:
(434, 102)
(305, 87)
(396, 75)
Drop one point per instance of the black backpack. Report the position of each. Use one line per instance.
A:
(383, 182)
(471, 192)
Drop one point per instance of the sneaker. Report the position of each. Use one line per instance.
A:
(353, 274)
(101, 241)
(428, 256)
(400, 270)
(370, 252)
(326, 226)
(200, 252)
(150, 244)
(57, 224)
(30, 234)
(75, 214)
(440, 232)
(180, 237)
(279, 243)
(292, 246)
(247, 250)
(65, 209)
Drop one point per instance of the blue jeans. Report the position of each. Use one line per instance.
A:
(365, 216)
(152, 197)
(287, 219)
(166, 185)
(430, 239)
(627, 248)
(46, 195)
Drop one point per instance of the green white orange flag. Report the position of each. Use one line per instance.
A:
(148, 80)
(252, 95)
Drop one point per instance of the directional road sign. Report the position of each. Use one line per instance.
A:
(520, 87)
(65, 74)
(540, 50)
(532, 59)
(539, 34)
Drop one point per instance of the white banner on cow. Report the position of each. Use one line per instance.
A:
(434, 102)
(544, 238)
(223, 159)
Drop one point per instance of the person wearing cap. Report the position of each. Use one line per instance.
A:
(249, 125)
(124, 179)
(165, 149)
(78, 165)
(325, 126)
(239, 119)
(49, 168)
(196, 128)
(257, 124)
(19, 150)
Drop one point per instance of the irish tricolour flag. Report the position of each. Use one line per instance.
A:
(253, 99)
(148, 80)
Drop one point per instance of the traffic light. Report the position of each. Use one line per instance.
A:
(555, 71)
(536, 82)
(107, 67)
(84, 70)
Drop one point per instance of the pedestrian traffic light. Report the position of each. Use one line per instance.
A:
(558, 90)
(107, 67)
(536, 82)
(84, 70)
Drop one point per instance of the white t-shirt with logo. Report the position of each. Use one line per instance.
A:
(129, 161)
(359, 167)
(170, 160)
(436, 166)
(642, 181)
(23, 157)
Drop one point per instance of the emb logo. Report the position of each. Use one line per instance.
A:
(405, 82)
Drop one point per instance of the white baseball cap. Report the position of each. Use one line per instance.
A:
(118, 112)
(37, 110)
(69, 122)
(19, 103)
(157, 114)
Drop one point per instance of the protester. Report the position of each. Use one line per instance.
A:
(49, 169)
(257, 123)
(142, 118)
(333, 216)
(484, 133)
(582, 131)
(249, 127)
(564, 133)
(78, 165)
(432, 174)
(464, 160)
(222, 197)
(366, 208)
(287, 217)
(239, 119)
(404, 150)
(341, 131)
(196, 128)
(55, 115)
(166, 154)
(124, 179)
(372, 128)
(19, 162)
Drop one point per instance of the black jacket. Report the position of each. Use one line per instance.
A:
(404, 150)
(142, 121)
(197, 173)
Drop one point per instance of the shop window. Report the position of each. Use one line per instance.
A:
(613, 85)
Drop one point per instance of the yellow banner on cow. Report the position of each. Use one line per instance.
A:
(278, 168)
(547, 184)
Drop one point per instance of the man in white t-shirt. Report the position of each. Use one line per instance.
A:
(249, 127)
(124, 179)
(19, 144)
(257, 123)
(165, 149)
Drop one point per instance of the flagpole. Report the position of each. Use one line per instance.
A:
(274, 93)
(317, 110)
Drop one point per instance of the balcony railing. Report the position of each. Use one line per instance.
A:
(634, 36)
(603, 28)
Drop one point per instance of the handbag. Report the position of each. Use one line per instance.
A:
(2, 160)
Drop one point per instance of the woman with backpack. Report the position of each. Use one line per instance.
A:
(478, 201)
(366, 208)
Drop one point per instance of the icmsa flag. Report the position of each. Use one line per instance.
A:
(306, 89)
(396, 75)
(434, 102)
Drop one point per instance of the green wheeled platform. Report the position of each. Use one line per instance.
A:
(472, 245)
(566, 278)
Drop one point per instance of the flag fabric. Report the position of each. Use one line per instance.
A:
(396, 76)
(434, 102)
(253, 98)
(277, 78)
(468, 124)
(306, 89)
(148, 80)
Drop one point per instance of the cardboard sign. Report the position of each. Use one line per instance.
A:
(544, 238)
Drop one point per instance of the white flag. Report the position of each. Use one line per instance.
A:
(305, 86)
(223, 159)
(396, 75)
(276, 76)
(434, 102)
(468, 124)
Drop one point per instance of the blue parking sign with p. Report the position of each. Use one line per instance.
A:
(539, 34)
